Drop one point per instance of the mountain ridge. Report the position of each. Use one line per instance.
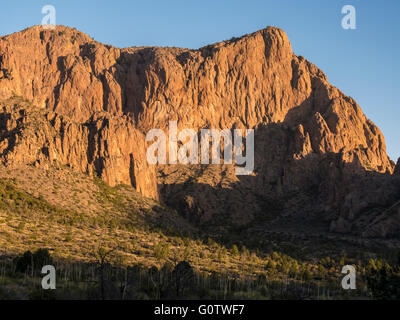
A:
(99, 101)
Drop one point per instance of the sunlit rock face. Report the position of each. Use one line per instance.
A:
(95, 103)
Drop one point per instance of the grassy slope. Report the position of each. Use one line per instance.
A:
(73, 214)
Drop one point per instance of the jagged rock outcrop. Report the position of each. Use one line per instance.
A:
(397, 168)
(251, 81)
(311, 139)
(109, 147)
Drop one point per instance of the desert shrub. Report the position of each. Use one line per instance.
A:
(211, 243)
(235, 250)
(161, 251)
(186, 253)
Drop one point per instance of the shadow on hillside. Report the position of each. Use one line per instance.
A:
(318, 193)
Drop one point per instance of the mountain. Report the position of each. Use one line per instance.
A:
(320, 164)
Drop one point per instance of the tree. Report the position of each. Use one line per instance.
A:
(184, 277)
(33, 261)
(384, 282)
(103, 257)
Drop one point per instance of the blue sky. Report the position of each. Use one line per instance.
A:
(363, 63)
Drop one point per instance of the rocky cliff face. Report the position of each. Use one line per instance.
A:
(104, 145)
(96, 103)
